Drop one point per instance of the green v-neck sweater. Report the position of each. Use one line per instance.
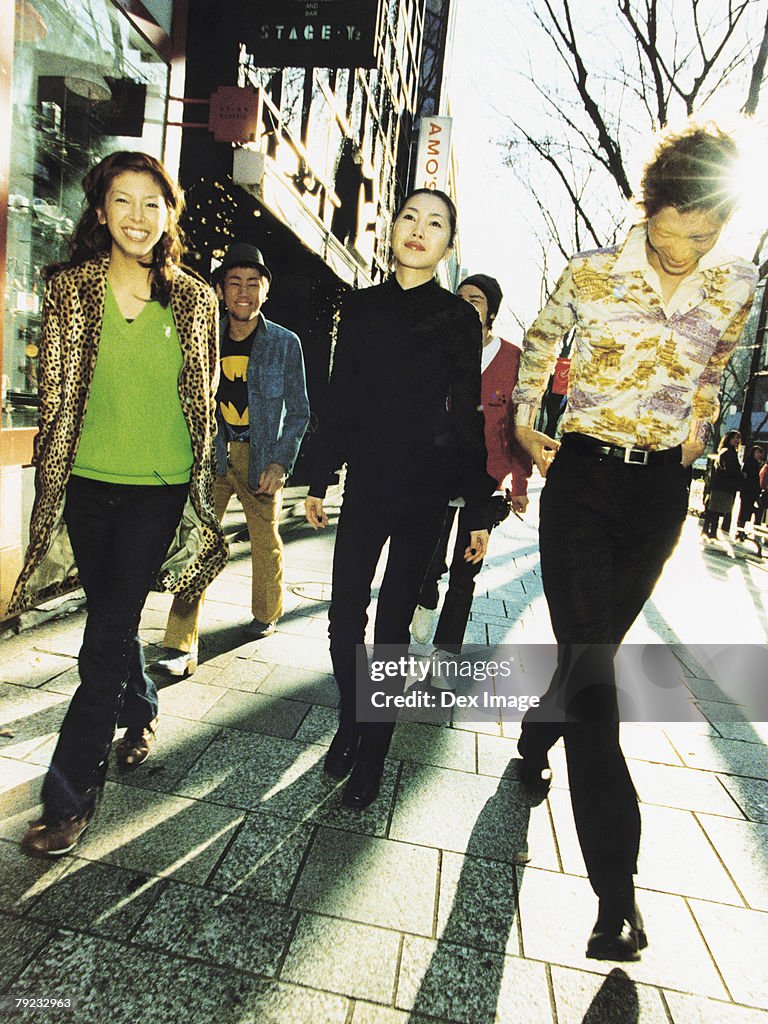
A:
(134, 431)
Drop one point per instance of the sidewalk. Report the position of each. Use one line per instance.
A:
(224, 881)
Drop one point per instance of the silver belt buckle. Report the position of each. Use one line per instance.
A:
(636, 456)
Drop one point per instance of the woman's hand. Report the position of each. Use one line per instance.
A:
(541, 448)
(313, 509)
(478, 547)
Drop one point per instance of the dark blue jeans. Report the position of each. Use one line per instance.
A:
(606, 530)
(120, 535)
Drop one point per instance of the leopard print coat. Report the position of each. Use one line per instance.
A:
(73, 309)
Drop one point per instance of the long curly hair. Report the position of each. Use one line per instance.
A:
(91, 238)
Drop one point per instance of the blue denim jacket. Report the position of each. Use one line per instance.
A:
(278, 408)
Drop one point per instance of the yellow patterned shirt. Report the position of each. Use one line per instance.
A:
(644, 373)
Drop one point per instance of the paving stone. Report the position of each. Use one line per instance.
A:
(29, 717)
(256, 712)
(96, 898)
(32, 668)
(586, 998)
(188, 698)
(249, 935)
(731, 757)
(283, 777)
(478, 904)
(750, 795)
(685, 788)
(644, 742)
(319, 726)
(240, 674)
(498, 756)
(83, 967)
(20, 784)
(692, 1010)
(685, 865)
(66, 683)
(264, 858)
(303, 684)
(374, 881)
(338, 956)
(471, 986)
(368, 1013)
(749, 732)
(295, 652)
(489, 818)
(158, 834)
(557, 913)
(20, 941)
(23, 878)
(743, 846)
(435, 745)
(737, 939)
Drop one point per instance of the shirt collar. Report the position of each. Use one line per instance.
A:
(632, 257)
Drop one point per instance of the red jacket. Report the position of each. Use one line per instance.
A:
(504, 453)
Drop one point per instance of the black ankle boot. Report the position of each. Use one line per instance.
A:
(342, 752)
(363, 786)
(619, 934)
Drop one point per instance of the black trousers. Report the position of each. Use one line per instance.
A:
(371, 514)
(606, 530)
(120, 535)
(457, 602)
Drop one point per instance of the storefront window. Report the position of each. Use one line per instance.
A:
(84, 85)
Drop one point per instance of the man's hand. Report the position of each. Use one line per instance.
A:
(519, 502)
(271, 479)
(313, 509)
(691, 451)
(540, 447)
(478, 547)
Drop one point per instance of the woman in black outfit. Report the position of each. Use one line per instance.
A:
(750, 487)
(403, 413)
(726, 480)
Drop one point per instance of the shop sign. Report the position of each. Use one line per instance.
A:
(233, 115)
(433, 156)
(309, 33)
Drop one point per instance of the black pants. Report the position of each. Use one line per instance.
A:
(457, 603)
(120, 535)
(606, 530)
(370, 514)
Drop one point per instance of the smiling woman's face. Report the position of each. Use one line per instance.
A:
(421, 234)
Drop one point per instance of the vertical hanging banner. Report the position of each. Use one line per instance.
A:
(308, 33)
(433, 156)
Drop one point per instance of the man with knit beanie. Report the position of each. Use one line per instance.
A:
(507, 464)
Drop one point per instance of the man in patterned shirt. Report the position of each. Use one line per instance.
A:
(655, 321)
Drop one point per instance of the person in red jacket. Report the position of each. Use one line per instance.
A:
(507, 464)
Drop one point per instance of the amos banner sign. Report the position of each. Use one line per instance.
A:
(434, 153)
(309, 33)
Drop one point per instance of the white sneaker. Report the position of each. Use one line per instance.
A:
(423, 624)
(177, 664)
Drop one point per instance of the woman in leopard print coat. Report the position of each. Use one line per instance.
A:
(128, 376)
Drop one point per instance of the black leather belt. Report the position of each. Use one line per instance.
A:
(632, 456)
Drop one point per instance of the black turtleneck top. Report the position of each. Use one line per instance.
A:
(403, 403)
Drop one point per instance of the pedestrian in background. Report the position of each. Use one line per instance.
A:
(262, 412)
(403, 413)
(749, 489)
(726, 481)
(508, 467)
(128, 369)
(656, 320)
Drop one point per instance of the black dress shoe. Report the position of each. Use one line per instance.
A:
(363, 786)
(342, 752)
(617, 937)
